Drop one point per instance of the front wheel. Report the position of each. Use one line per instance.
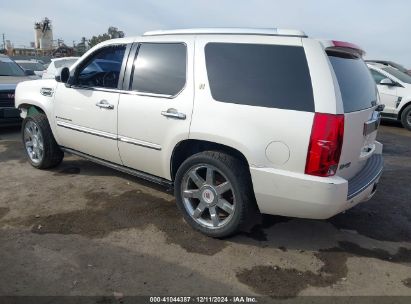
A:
(213, 190)
(41, 147)
(406, 118)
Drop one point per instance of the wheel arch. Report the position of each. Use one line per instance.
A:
(406, 104)
(30, 109)
(188, 147)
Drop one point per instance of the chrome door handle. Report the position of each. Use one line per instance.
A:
(104, 104)
(173, 113)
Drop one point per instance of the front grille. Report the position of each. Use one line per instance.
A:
(7, 99)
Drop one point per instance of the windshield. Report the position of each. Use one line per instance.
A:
(9, 68)
(358, 89)
(64, 62)
(31, 66)
(398, 74)
(398, 66)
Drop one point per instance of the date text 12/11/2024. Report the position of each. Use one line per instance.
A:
(204, 299)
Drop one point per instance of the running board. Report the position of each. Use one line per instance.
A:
(139, 174)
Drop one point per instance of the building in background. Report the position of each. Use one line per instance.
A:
(43, 35)
(43, 46)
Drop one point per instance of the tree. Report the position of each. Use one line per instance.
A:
(112, 33)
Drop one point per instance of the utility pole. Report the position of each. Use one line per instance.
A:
(4, 43)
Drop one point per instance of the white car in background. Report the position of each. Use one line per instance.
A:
(394, 87)
(56, 64)
(33, 65)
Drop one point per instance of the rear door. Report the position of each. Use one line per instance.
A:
(359, 97)
(155, 109)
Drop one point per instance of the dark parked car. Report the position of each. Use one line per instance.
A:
(10, 75)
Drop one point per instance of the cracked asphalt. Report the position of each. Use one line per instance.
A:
(83, 229)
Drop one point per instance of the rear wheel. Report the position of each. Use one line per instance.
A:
(213, 191)
(40, 145)
(406, 118)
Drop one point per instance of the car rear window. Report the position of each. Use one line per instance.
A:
(357, 86)
(264, 75)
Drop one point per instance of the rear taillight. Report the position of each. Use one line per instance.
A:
(325, 145)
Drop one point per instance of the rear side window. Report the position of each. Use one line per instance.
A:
(160, 68)
(272, 76)
(357, 86)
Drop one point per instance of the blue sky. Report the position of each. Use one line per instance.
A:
(381, 27)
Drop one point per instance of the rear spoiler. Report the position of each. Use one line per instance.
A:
(343, 46)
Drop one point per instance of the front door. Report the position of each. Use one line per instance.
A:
(86, 112)
(388, 94)
(155, 114)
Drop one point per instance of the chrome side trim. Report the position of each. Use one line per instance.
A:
(139, 174)
(112, 136)
(86, 130)
(139, 143)
(124, 92)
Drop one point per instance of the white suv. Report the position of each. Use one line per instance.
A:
(233, 119)
(394, 87)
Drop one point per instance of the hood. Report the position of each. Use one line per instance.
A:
(10, 82)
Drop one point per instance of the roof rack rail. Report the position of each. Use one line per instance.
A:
(230, 31)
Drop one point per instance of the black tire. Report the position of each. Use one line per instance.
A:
(405, 118)
(237, 173)
(52, 154)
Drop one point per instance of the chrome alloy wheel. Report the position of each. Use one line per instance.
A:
(208, 196)
(33, 141)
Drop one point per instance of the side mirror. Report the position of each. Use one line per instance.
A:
(63, 75)
(29, 73)
(380, 107)
(387, 82)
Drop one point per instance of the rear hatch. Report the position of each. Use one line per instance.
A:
(360, 97)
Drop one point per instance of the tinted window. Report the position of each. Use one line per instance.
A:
(377, 76)
(260, 75)
(102, 69)
(9, 68)
(64, 62)
(357, 86)
(397, 66)
(32, 66)
(160, 68)
(398, 74)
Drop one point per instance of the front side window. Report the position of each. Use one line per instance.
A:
(160, 68)
(264, 75)
(377, 76)
(102, 69)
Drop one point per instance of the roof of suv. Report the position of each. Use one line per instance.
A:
(229, 31)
